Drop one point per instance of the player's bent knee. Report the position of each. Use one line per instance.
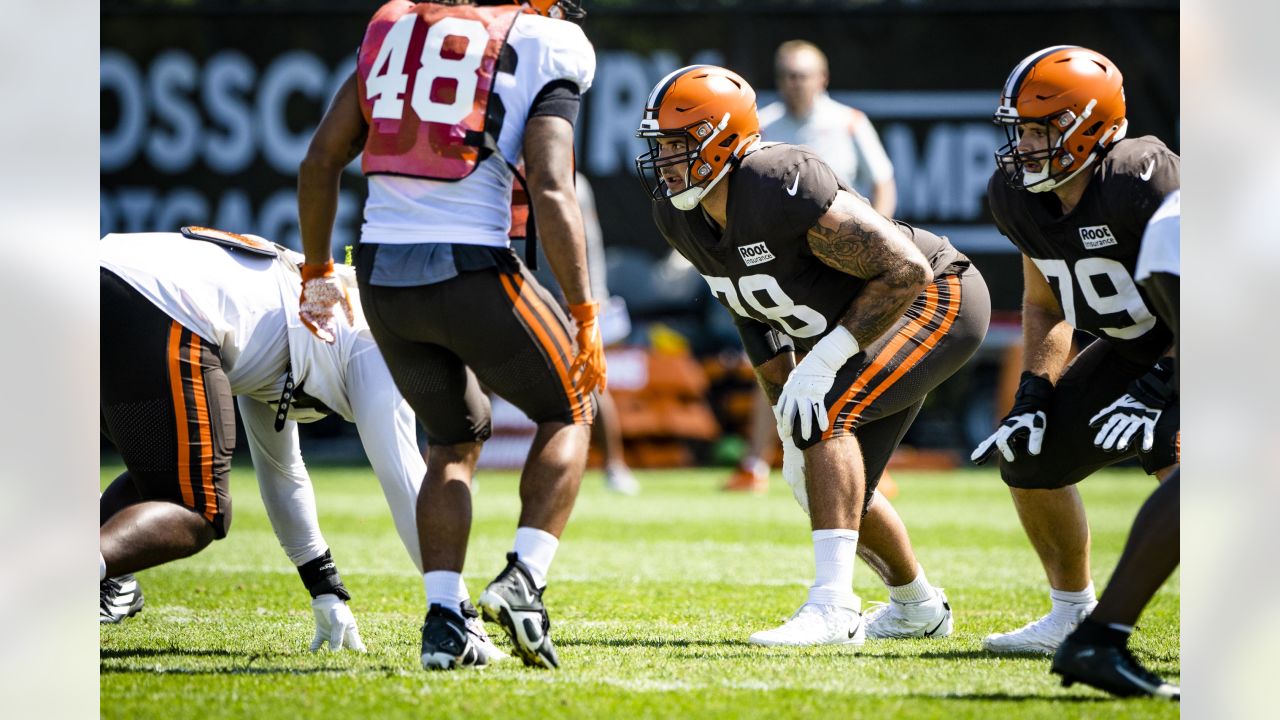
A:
(1027, 474)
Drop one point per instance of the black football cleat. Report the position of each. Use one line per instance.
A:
(119, 598)
(1109, 668)
(513, 601)
(446, 644)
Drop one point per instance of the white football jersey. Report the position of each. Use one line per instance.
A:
(477, 209)
(1162, 241)
(247, 305)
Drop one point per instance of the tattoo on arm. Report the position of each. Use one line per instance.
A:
(853, 238)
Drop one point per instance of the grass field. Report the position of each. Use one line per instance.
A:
(652, 599)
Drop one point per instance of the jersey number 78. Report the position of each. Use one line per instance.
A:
(799, 321)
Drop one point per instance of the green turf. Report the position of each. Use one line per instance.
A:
(652, 599)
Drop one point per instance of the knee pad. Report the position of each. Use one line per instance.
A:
(1025, 473)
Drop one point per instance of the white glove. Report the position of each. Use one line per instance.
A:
(805, 391)
(335, 624)
(322, 292)
(1032, 423)
(1121, 420)
(793, 472)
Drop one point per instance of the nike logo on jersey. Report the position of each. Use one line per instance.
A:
(795, 185)
(1146, 174)
(755, 254)
(1096, 237)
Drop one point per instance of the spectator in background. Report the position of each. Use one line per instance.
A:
(845, 139)
(841, 135)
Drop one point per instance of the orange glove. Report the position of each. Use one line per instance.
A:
(590, 359)
(321, 291)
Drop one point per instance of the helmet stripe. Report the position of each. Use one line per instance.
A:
(1014, 83)
(661, 88)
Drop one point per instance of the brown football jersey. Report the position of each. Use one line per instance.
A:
(759, 265)
(1089, 254)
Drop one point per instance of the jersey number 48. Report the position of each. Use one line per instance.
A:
(389, 76)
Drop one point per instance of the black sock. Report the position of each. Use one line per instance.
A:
(1095, 633)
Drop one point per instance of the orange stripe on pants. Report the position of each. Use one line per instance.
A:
(885, 356)
(578, 398)
(180, 411)
(514, 287)
(953, 308)
(204, 430)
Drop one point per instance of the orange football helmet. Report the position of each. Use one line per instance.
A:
(714, 111)
(570, 10)
(1073, 91)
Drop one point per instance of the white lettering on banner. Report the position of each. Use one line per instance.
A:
(162, 109)
(146, 209)
(948, 179)
(119, 75)
(228, 78)
(173, 78)
(293, 72)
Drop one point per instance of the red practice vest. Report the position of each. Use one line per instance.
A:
(425, 80)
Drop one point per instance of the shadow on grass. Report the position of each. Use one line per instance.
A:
(1007, 697)
(104, 669)
(112, 653)
(953, 655)
(116, 661)
(642, 643)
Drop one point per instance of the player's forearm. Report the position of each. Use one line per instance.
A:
(318, 183)
(563, 241)
(852, 238)
(1046, 342)
(337, 141)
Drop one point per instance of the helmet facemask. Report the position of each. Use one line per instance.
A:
(1077, 95)
(700, 173)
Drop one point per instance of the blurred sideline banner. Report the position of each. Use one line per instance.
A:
(207, 111)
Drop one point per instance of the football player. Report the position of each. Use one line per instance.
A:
(1097, 652)
(884, 311)
(188, 321)
(445, 97)
(1074, 194)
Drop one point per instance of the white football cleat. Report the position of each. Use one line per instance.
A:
(816, 625)
(479, 637)
(929, 619)
(1038, 637)
(619, 479)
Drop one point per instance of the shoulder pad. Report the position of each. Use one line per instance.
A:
(235, 241)
(567, 53)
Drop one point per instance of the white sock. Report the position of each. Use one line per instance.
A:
(444, 588)
(834, 552)
(102, 568)
(913, 593)
(1067, 604)
(536, 549)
